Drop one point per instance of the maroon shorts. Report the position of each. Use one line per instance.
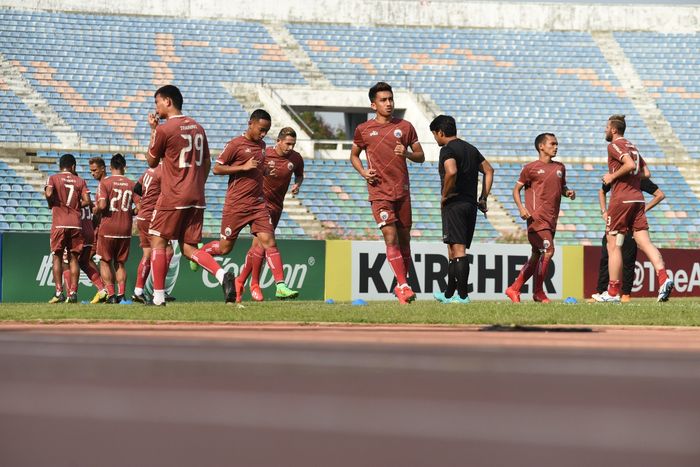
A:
(387, 212)
(625, 217)
(232, 222)
(144, 237)
(113, 249)
(542, 240)
(88, 234)
(183, 225)
(70, 239)
(275, 216)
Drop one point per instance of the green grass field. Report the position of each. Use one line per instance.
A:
(677, 312)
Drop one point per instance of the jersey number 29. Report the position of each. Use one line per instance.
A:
(186, 154)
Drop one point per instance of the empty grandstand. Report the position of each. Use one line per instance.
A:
(82, 82)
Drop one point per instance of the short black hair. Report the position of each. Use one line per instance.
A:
(380, 86)
(118, 162)
(444, 123)
(66, 161)
(172, 93)
(260, 114)
(541, 138)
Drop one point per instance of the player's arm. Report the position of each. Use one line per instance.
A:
(448, 186)
(487, 181)
(85, 199)
(48, 193)
(156, 147)
(628, 166)
(568, 193)
(602, 201)
(658, 197)
(370, 175)
(416, 154)
(223, 169)
(646, 173)
(524, 213)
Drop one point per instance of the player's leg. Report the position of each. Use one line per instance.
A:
(615, 241)
(74, 268)
(88, 266)
(57, 248)
(404, 221)
(169, 254)
(120, 275)
(189, 238)
(665, 283)
(461, 271)
(603, 276)
(528, 269)
(274, 262)
(67, 277)
(252, 267)
(142, 272)
(547, 251)
(104, 251)
(629, 257)
(451, 287)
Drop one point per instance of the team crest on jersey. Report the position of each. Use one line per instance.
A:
(374, 133)
(247, 150)
(546, 244)
(540, 172)
(398, 133)
(290, 166)
(559, 174)
(227, 231)
(383, 215)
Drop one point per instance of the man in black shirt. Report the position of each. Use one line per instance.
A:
(459, 167)
(629, 247)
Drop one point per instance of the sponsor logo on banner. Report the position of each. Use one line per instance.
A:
(683, 266)
(493, 267)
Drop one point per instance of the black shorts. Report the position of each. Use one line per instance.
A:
(458, 222)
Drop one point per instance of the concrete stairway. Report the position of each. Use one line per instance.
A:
(21, 164)
(297, 56)
(39, 106)
(296, 210)
(645, 104)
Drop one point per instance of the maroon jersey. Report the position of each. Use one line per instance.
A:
(118, 191)
(150, 191)
(378, 140)
(275, 187)
(544, 185)
(68, 190)
(245, 189)
(182, 144)
(625, 189)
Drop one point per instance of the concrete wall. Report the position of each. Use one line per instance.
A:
(538, 16)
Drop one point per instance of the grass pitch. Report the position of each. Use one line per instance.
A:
(677, 312)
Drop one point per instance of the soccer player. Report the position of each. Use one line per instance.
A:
(629, 246)
(148, 188)
(544, 181)
(385, 140)
(98, 172)
(459, 167)
(243, 161)
(182, 145)
(115, 205)
(281, 162)
(626, 210)
(66, 193)
(87, 265)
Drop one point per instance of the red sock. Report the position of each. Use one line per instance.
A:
(407, 258)
(66, 279)
(142, 272)
(121, 288)
(159, 268)
(393, 255)
(206, 260)
(541, 273)
(274, 262)
(257, 264)
(211, 248)
(525, 274)
(247, 266)
(614, 288)
(94, 276)
(110, 289)
(662, 275)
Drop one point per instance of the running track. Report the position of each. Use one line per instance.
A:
(283, 395)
